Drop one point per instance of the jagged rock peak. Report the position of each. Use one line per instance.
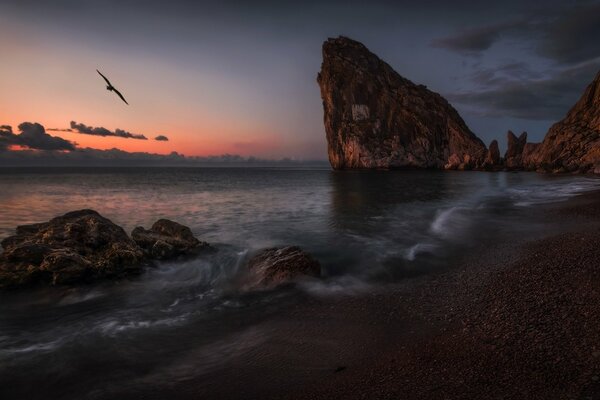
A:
(375, 118)
(514, 152)
(492, 157)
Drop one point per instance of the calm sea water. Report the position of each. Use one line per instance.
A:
(366, 228)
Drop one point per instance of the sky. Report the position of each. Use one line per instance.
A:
(239, 77)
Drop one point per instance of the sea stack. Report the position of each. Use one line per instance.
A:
(573, 144)
(513, 158)
(375, 118)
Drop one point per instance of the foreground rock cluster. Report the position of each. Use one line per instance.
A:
(375, 118)
(83, 246)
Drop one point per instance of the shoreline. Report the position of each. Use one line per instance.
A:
(520, 320)
(508, 318)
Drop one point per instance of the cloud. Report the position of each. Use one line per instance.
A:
(548, 98)
(475, 40)
(567, 34)
(572, 37)
(59, 130)
(162, 138)
(33, 136)
(100, 131)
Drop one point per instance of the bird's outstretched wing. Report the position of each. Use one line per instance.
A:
(107, 81)
(121, 96)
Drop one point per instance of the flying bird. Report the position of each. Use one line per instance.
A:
(110, 88)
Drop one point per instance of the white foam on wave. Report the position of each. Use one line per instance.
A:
(80, 298)
(37, 347)
(113, 327)
(551, 193)
(343, 285)
(419, 248)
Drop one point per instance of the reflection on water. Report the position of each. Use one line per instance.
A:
(186, 318)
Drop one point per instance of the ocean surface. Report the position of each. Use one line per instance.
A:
(183, 319)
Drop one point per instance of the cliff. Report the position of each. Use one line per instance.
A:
(375, 118)
(573, 144)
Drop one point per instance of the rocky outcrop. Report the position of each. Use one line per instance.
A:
(83, 246)
(167, 239)
(513, 158)
(274, 266)
(573, 144)
(528, 151)
(492, 158)
(375, 118)
(79, 246)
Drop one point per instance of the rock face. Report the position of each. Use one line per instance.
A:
(77, 247)
(528, 151)
(492, 158)
(167, 239)
(274, 266)
(573, 144)
(375, 118)
(513, 158)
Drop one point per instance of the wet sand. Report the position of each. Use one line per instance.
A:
(516, 320)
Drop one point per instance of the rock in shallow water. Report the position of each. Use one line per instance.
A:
(274, 266)
(79, 246)
(168, 239)
(375, 118)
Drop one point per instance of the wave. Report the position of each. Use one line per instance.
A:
(419, 248)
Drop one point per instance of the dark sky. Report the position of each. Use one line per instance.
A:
(240, 77)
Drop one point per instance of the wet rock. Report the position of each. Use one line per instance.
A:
(274, 266)
(79, 246)
(375, 118)
(167, 240)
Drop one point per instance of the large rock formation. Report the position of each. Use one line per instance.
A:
(375, 118)
(573, 144)
(492, 157)
(167, 239)
(77, 247)
(274, 266)
(513, 158)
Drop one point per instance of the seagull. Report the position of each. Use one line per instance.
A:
(110, 87)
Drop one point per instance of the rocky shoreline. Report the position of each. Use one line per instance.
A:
(513, 321)
(506, 325)
(82, 247)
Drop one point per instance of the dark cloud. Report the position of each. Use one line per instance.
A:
(566, 34)
(59, 130)
(33, 136)
(475, 40)
(539, 99)
(100, 131)
(162, 138)
(506, 73)
(76, 156)
(572, 37)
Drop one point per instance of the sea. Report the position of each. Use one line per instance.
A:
(368, 229)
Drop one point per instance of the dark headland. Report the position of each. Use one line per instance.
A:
(375, 118)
